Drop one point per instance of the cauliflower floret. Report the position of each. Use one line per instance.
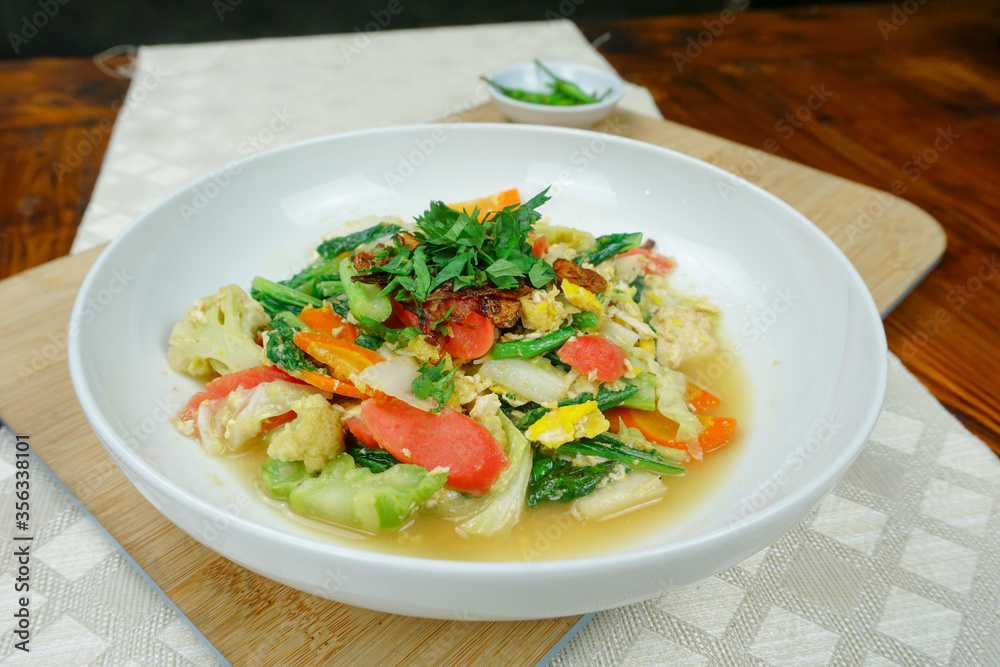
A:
(568, 423)
(542, 311)
(313, 437)
(218, 334)
(682, 333)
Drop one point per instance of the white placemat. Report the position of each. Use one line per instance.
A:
(193, 108)
(898, 566)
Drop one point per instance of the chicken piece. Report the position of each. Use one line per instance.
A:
(682, 333)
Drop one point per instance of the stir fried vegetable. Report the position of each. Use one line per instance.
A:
(471, 364)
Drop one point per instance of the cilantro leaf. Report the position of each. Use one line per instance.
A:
(434, 382)
(468, 249)
(541, 274)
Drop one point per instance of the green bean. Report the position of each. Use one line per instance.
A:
(523, 349)
(585, 320)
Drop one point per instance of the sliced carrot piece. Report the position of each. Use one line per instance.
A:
(715, 432)
(489, 204)
(327, 383)
(325, 320)
(342, 357)
(700, 399)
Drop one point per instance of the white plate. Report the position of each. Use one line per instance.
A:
(812, 342)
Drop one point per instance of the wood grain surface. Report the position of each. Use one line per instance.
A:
(242, 613)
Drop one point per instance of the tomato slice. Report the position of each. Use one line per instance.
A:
(595, 353)
(540, 246)
(361, 431)
(447, 439)
(247, 379)
(656, 263)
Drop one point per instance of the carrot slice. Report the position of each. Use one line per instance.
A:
(342, 357)
(488, 204)
(325, 320)
(327, 383)
(715, 432)
(700, 399)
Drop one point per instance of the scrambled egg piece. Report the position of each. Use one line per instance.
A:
(486, 411)
(682, 333)
(581, 298)
(541, 311)
(313, 437)
(568, 423)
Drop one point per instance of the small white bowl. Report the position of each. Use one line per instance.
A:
(528, 76)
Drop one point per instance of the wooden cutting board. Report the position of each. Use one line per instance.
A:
(252, 620)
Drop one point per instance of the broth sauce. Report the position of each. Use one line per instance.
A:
(552, 530)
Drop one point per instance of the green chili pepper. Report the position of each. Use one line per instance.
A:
(568, 88)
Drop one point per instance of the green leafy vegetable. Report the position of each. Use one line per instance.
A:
(457, 246)
(639, 284)
(332, 248)
(276, 297)
(608, 447)
(280, 350)
(370, 341)
(394, 336)
(434, 382)
(608, 246)
(376, 460)
(556, 479)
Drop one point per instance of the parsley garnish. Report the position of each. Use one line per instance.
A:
(434, 382)
(456, 246)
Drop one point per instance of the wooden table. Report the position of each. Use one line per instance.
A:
(878, 96)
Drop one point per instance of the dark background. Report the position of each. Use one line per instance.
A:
(88, 27)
